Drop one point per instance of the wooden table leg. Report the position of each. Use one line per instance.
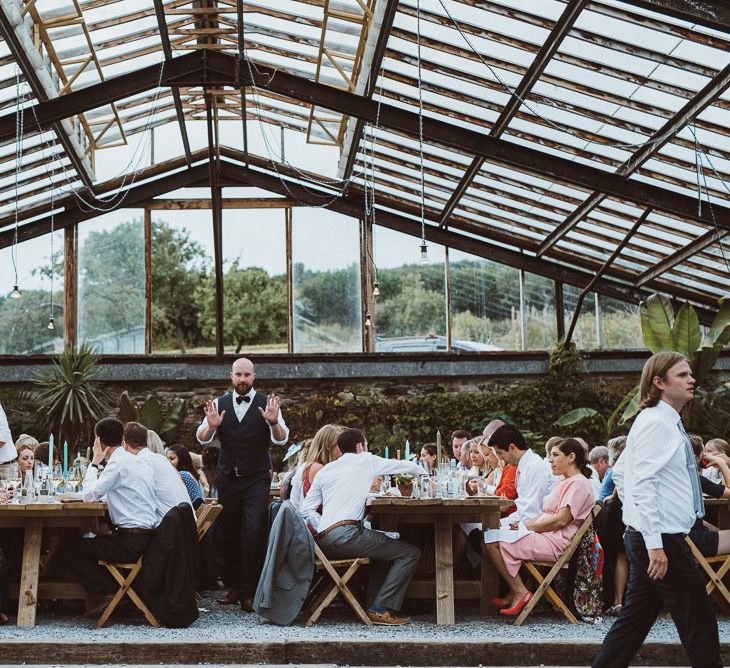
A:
(444, 572)
(489, 577)
(28, 597)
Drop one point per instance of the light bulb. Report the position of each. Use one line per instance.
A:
(376, 289)
(424, 253)
(16, 293)
(51, 326)
(368, 321)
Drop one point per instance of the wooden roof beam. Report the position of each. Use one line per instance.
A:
(25, 60)
(713, 14)
(372, 61)
(167, 50)
(704, 98)
(549, 47)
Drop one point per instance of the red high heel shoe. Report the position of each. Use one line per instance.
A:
(500, 602)
(517, 608)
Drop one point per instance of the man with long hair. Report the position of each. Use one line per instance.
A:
(657, 481)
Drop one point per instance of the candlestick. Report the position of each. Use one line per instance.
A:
(408, 451)
(50, 452)
(397, 454)
(386, 452)
(65, 459)
(438, 448)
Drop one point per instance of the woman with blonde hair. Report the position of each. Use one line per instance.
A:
(319, 454)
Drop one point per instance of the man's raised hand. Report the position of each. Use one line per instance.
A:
(271, 414)
(212, 415)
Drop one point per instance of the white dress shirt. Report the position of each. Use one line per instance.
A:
(7, 447)
(342, 487)
(129, 486)
(652, 477)
(532, 486)
(595, 481)
(241, 410)
(295, 495)
(169, 488)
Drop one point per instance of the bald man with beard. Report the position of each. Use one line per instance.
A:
(246, 422)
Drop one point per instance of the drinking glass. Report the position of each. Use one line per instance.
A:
(482, 487)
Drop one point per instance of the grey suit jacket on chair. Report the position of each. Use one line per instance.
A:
(288, 568)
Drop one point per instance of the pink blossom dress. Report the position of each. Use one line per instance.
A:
(575, 492)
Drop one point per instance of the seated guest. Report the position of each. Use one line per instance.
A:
(501, 481)
(170, 490)
(598, 464)
(429, 458)
(27, 439)
(615, 447)
(479, 468)
(295, 495)
(180, 458)
(717, 447)
(128, 484)
(197, 460)
(320, 452)
(155, 443)
(26, 459)
(341, 488)
(7, 451)
(211, 455)
(708, 539)
(565, 508)
(458, 438)
(531, 475)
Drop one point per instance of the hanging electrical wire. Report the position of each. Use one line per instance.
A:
(18, 160)
(424, 247)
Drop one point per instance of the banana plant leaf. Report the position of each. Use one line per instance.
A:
(656, 323)
(175, 419)
(632, 405)
(719, 333)
(150, 415)
(575, 416)
(127, 409)
(686, 331)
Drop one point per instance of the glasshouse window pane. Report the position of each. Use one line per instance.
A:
(183, 283)
(325, 256)
(585, 336)
(485, 303)
(254, 281)
(24, 322)
(410, 313)
(111, 307)
(541, 325)
(620, 323)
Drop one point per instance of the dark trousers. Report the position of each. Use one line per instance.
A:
(83, 555)
(393, 561)
(681, 591)
(243, 528)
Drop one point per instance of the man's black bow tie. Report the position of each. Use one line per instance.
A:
(240, 398)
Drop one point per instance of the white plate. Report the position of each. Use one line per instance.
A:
(69, 496)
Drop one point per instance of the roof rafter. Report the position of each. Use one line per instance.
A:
(713, 89)
(23, 59)
(711, 13)
(560, 30)
(167, 50)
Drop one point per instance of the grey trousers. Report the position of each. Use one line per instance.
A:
(393, 562)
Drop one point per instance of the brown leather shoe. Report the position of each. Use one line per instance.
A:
(247, 604)
(387, 618)
(230, 598)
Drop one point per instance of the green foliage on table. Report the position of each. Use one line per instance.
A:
(150, 415)
(69, 398)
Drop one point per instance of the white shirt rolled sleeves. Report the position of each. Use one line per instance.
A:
(169, 488)
(532, 487)
(129, 486)
(342, 487)
(241, 410)
(652, 478)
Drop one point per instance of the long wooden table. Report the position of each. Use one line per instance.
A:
(444, 514)
(34, 517)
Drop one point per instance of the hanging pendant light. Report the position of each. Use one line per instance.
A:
(51, 325)
(424, 252)
(376, 288)
(368, 321)
(16, 293)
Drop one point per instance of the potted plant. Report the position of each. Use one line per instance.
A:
(404, 483)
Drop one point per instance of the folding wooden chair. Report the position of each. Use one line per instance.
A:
(331, 579)
(544, 583)
(707, 564)
(205, 515)
(125, 587)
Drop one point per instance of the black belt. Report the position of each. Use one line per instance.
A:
(134, 530)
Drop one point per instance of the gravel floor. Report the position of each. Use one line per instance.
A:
(219, 623)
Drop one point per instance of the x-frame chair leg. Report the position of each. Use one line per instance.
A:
(125, 587)
(545, 588)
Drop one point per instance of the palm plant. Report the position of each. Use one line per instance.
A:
(150, 415)
(662, 329)
(71, 398)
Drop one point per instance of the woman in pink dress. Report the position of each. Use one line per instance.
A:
(564, 510)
